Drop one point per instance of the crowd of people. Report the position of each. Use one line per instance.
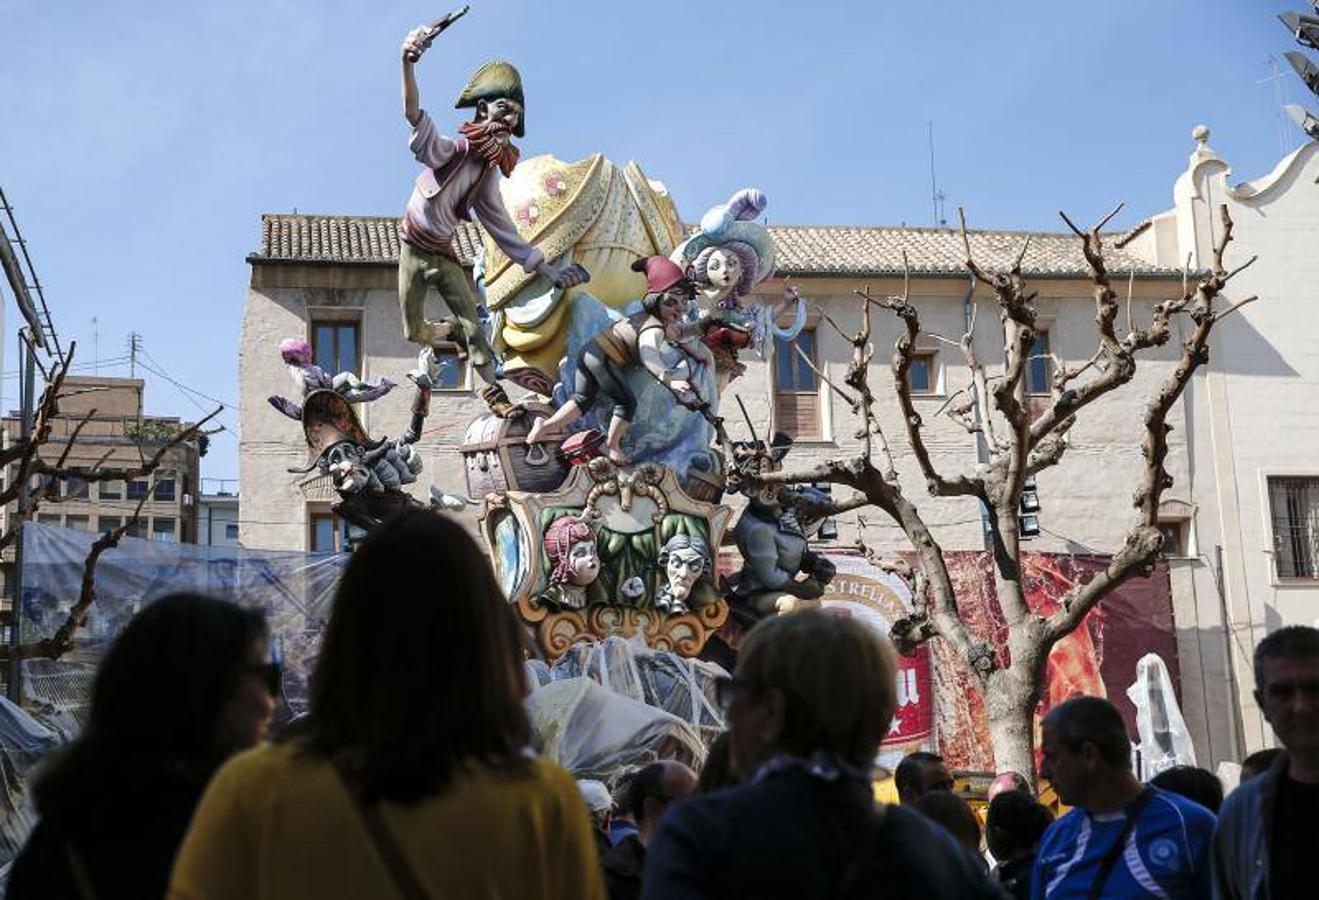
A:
(412, 775)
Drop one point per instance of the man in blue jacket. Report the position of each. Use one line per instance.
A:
(1265, 845)
(1123, 838)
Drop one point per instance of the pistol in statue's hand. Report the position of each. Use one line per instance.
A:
(419, 39)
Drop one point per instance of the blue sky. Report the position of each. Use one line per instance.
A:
(141, 141)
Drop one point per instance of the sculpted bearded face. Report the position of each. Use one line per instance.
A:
(723, 269)
(683, 569)
(503, 116)
(583, 563)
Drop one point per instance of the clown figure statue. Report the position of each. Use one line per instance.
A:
(684, 560)
(461, 176)
(574, 561)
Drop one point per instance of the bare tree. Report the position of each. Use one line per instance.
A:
(42, 480)
(1019, 445)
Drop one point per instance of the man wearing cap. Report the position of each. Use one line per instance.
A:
(644, 339)
(461, 176)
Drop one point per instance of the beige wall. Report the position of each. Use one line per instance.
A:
(281, 302)
(1245, 418)
(1086, 502)
(1254, 411)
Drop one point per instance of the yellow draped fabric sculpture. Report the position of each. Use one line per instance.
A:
(590, 212)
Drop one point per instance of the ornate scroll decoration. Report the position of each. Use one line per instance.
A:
(683, 634)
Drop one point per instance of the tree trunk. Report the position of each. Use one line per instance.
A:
(1010, 707)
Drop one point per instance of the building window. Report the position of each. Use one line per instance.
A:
(331, 534)
(923, 373)
(49, 519)
(137, 488)
(335, 346)
(137, 530)
(110, 490)
(162, 529)
(105, 524)
(164, 489)
(1294, 504)
(75, 488)
(796, 388)
(453, 370)
(82, 523)
(231, 531)
(1174, 537)
(1039, 365)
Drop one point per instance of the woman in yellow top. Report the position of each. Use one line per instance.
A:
(409, 778)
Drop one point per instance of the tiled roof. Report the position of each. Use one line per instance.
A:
(803, 250)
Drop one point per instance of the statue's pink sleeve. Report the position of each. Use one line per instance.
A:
(427, 144)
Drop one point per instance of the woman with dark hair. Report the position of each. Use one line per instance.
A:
(409, 777)
(187, 683)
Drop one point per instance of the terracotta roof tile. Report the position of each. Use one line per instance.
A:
(803, 250)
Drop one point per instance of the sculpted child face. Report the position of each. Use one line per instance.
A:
(583, 563)
(723, 269)
(683, 569)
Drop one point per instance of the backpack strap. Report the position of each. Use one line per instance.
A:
(1133, 811)
(391, 854)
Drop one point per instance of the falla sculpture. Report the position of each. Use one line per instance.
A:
(602, 488)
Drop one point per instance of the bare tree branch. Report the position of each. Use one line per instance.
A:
(1143, 542)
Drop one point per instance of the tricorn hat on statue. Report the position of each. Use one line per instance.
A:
(492, 81)
(662, 273)
(327, 420)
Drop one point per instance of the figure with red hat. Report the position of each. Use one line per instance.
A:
(658, 338)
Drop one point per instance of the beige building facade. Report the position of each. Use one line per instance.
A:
(118, 435)
(1255, 435)
(331, 280)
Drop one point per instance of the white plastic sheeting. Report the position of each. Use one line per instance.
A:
(23, 741)
(608, 708)
(1164, 739)
(293, 589)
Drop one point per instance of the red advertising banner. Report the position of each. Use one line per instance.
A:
(879, 599)
(1099, 658)
(939, 706)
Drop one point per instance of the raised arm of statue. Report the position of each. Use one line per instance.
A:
(414, 45)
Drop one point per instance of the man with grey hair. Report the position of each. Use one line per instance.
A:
(1264, 846)
(810, 702)
(1122, 838)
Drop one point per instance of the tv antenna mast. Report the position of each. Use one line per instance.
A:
(937, 197)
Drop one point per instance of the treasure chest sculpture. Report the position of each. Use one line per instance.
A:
(499, 459)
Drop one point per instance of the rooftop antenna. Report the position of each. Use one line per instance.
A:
(1279, 100)
(937, 197)
(134, 346)
(96, 346)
